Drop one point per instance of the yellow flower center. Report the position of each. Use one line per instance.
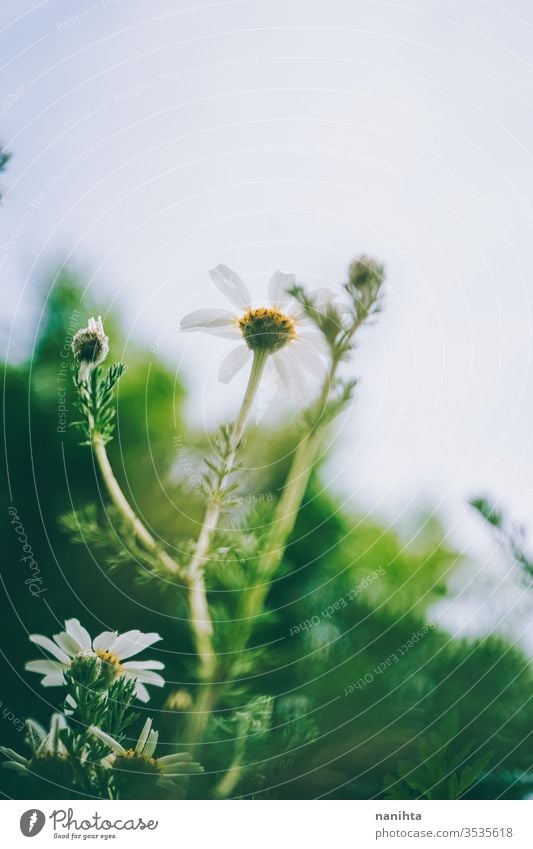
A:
(266, 329)
(109, 658)
(132, 761)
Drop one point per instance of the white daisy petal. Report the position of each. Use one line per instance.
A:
(151, 743)
(104, 640)
(290, 373)
(308, 357)
(141, 692)
(298, 372)
(181, 768)
(78, 632)
(132, 642)
(143, 736)
(136, 665)
(147, 677)
(45, 667)
(107, 739)
(216, 322)
(47, 644)
(179, 757)
(67, 643)
(12, 755)
(233, 363)
(57, 723)
(53, 680)
(15, 767)
(278, 285)
(231, 285)
(298, 314)
(36, 732)
(314, 339)
(322, 297)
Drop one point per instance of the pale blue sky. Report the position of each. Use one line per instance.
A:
(152, 140)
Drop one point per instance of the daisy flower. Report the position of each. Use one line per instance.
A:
(48, 753)
(112, 648)
(281, 330)
(141, 763)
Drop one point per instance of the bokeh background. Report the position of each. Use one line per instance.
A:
(150, 142)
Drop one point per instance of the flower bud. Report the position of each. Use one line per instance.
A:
(364, 273)
(179, 700)
(90, 671)
(90, 345)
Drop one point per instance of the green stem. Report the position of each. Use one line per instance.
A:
(140, 531)
(232, 777)
(201, 626)
(283, 524)
(198, 718)
(287, 509)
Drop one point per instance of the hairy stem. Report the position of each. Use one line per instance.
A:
(285, 516)
(197, 590)
(140, 531)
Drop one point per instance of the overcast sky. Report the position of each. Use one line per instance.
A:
(153, 140)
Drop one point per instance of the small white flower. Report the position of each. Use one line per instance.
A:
(141, 762)
(44, 745)
(282, 330)
(110, 647)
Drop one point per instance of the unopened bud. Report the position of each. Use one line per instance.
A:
(88, 670)
(365, 272)
(179, 700)
(90, 345)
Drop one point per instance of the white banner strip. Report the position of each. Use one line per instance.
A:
(268, 824)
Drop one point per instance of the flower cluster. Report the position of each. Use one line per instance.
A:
(88, 745)
(73, 648)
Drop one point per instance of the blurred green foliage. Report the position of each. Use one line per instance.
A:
(328, 711)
